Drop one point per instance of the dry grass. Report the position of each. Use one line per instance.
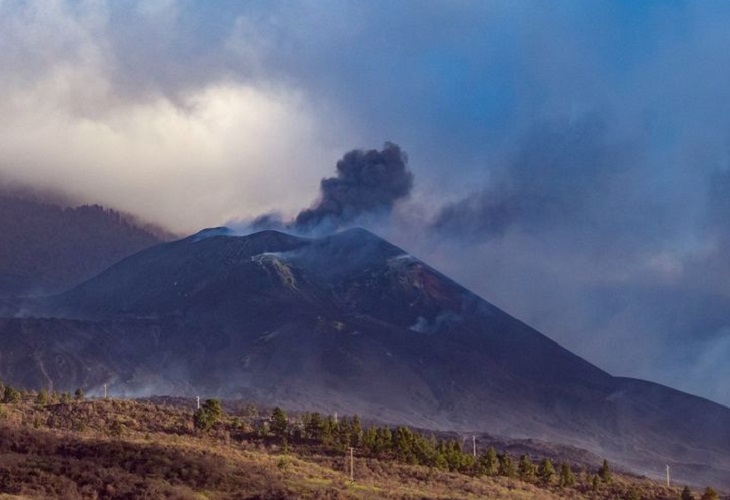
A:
(133, 449)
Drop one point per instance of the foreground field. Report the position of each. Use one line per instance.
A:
(109, 448)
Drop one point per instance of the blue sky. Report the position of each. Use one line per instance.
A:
(570, 157)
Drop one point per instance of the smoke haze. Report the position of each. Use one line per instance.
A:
(570, 158)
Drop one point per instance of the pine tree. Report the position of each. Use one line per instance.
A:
(313, 427)
(566, 475)
(488, 462)
(546, 471)
(208, 414)
(370, 440)
(605, 472)
(687, 494)
(357, 432)
(402, 444)
(279, 422)
(12, 395)
(506, 465)
(385, 440)
(526, 469)
(79, 394)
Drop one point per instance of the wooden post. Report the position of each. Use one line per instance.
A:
(352, 465)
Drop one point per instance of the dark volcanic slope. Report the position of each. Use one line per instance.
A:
(48, 247)
(351, 323)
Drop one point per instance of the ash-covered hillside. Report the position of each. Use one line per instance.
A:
(348, 323)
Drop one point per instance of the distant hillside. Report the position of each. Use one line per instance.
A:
(47, 247)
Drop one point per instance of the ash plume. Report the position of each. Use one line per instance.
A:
(563, 174)
(368, 183)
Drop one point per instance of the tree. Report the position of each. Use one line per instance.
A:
(687, 494)
(208, 414)
(402, 444)
(2, 391)
(214, 407)
(12, 395)
(566, 475)
(357, 432)
(42, 397)
(313, 427)
(526, 469)
(385, 440)
(710, 494)
(506, 465)
(595, 481)
(605, 472)
(79, 394)
(546, 471)
(370, 440)
(279, 422)
(488, 463)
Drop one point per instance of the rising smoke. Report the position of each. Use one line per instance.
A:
(367, 186)
(368, 183)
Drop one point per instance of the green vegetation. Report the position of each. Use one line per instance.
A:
(710, 494)
(208, 414)
(605, 472)
(52, 445)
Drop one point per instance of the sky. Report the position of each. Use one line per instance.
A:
(566, 160)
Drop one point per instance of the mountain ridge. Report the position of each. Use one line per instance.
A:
(50, 247)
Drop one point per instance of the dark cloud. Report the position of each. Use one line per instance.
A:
(562, 174)
(368, 183)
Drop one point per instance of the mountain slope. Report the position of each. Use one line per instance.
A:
(48, 247)
(350, 323)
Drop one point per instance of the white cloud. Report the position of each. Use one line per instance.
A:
(231, 150)
(215, 150)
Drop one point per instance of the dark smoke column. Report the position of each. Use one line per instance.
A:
(368, 183)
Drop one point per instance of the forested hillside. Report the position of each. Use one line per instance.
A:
(46, 247)
(63, 445)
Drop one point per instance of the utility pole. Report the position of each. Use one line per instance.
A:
(198, 399)
(474, 445)
(335, 417)
(352, 465)
(104, 391)
(668, 483)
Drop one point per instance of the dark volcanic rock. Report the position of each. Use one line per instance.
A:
(353, 324)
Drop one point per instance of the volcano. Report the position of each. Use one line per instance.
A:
(347, 323)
